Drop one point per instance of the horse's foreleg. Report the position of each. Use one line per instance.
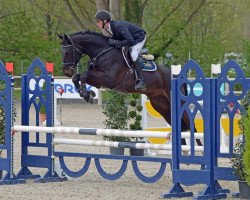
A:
(88, 95)
(81, 87)
(75, 80)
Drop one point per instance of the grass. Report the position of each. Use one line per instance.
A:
(17, 94)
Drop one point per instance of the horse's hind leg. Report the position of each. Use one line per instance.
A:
(163, 106)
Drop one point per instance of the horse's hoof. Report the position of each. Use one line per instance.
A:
(91, 100)
(87, 98)
(85, 95)
(92, 93)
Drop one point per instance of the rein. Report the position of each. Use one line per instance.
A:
(101, 53)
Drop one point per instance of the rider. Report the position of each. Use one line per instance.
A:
(122, 34)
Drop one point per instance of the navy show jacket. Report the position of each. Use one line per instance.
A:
(126, 33)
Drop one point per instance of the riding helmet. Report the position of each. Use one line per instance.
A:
(103, 15)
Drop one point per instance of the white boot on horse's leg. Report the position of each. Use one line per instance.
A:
(140, 84)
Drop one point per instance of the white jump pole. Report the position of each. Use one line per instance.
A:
(122, 144)
(91, 131)
(101, 132)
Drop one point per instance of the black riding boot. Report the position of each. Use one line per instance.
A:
(140, 84)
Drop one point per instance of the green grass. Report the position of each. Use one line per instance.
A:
(17, 94)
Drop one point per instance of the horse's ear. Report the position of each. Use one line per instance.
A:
(60, 36)
(66, 38)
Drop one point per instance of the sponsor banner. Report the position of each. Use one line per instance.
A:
(70, 92)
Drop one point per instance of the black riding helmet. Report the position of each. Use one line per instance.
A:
(103, 15)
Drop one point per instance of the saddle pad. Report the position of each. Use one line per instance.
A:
(148, 65)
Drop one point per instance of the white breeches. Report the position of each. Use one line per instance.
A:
(135, 50)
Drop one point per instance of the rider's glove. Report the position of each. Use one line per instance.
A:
(114, 43)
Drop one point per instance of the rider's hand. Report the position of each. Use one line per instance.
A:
(113, 42)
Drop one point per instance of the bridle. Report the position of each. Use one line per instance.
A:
(72, 48)
(76, 53)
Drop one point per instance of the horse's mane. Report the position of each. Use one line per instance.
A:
(90, 33)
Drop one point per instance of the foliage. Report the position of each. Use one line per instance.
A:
(116, 111)
(192, 29)
(43, 108)
(204, 30)
(134, 114)
(237, 160)
(246, 156)
(2, 121)
(241, 158)
(246, 52)
(245, 102)
(25, 42)
(2, 125)
(133, 12)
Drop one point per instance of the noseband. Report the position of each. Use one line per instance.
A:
(72, 48)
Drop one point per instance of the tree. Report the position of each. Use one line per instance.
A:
(133, 11)
(204, 30)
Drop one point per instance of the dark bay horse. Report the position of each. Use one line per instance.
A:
(108, 69)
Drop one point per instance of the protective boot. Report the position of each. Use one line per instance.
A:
(140, 84)
(84, 93)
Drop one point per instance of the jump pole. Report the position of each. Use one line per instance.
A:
(100, 132)
(130, 145)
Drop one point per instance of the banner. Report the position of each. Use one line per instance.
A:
(70, 92)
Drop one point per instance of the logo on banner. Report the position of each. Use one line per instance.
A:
(69, 88)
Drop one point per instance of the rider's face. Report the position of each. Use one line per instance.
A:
(99, 23)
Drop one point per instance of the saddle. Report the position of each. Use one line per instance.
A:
(147, 62)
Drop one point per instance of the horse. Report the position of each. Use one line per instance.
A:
(107, 68)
